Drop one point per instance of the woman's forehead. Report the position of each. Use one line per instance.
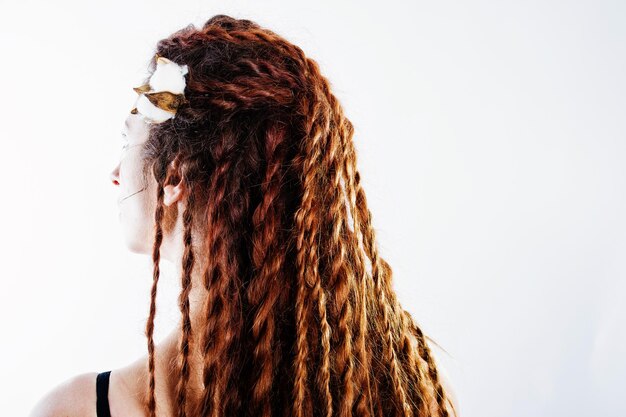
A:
(134, 121)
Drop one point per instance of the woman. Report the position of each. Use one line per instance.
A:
(239, 167)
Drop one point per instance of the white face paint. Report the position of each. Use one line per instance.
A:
(137, 200)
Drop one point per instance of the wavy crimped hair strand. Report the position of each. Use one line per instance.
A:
(300, 317)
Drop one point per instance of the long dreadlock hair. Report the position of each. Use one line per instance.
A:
(300, 317)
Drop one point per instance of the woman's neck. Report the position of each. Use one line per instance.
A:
(137, 377)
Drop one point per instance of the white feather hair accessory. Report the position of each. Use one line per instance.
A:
(163, 94)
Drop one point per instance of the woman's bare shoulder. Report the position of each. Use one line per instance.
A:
(73, 397)
(76, 396)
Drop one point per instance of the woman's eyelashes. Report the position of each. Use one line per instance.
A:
(124, 140)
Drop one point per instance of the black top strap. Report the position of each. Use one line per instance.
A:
(102, 394)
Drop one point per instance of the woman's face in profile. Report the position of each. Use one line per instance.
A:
(135, 198)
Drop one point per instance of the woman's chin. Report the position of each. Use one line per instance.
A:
(134, 243)
(135, 247)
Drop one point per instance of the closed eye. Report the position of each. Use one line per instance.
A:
(125, 141)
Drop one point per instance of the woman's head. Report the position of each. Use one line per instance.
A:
(138, 192)
(238, 91)
(258, 170)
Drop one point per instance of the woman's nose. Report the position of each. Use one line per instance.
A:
(115, 175)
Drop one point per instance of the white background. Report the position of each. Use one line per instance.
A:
(490, 137)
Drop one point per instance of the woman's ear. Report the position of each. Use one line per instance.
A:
(176, 191)
(173, 193)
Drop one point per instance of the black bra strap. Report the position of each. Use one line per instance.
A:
(102, 394)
